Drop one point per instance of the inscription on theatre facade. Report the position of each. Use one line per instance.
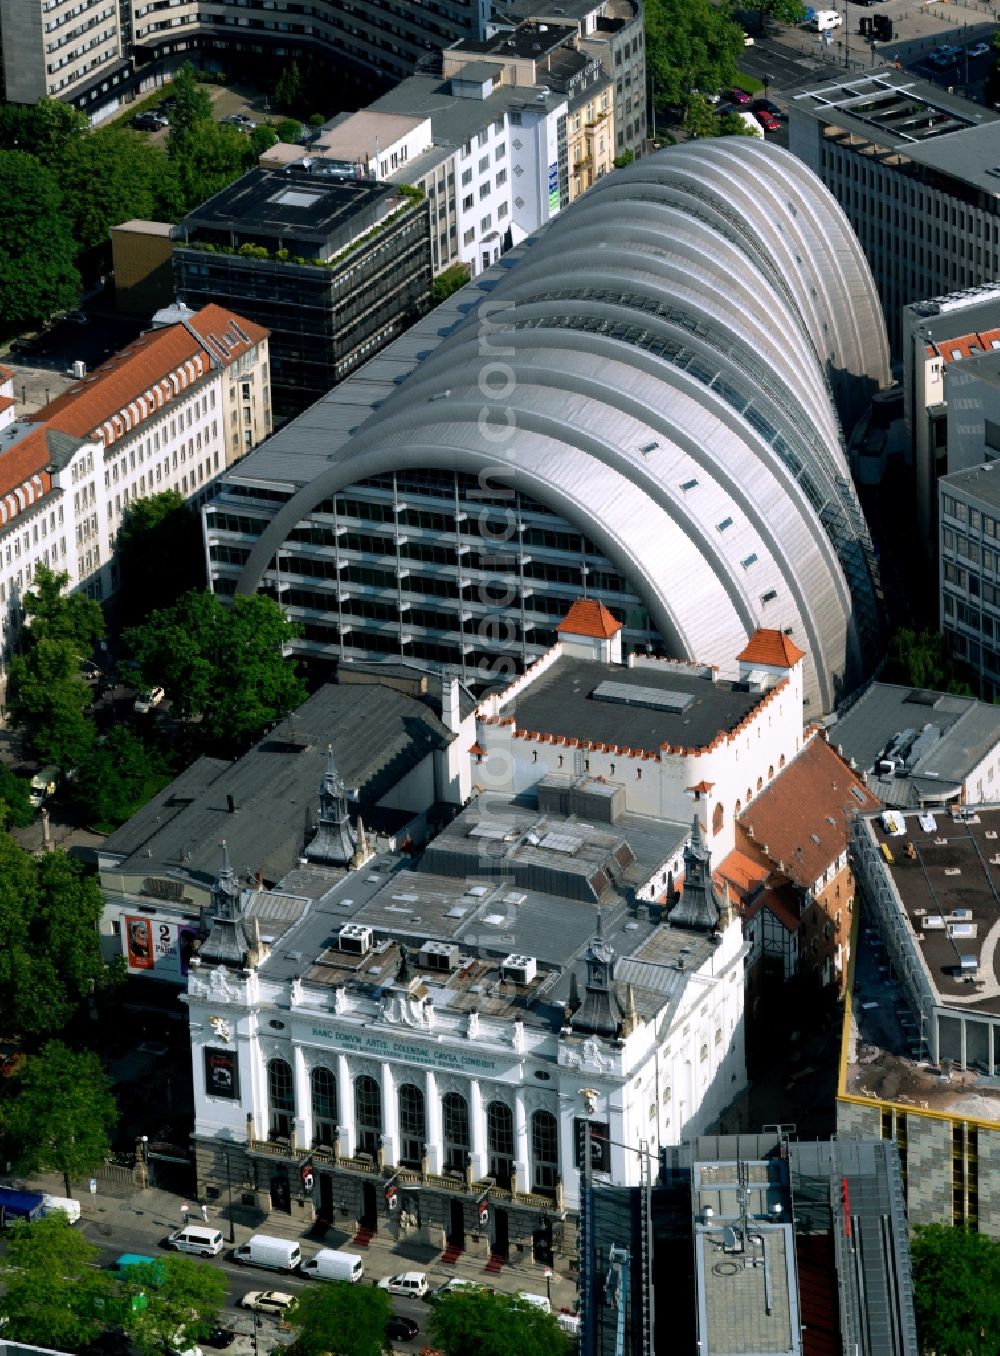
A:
(381, 1047)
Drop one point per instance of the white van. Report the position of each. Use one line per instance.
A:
(262, 1250)
(52, 1205)
(196, 1238)
(825, 19)
(539, 1301)
(331, 1265)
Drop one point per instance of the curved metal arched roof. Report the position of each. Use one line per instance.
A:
(667, 365)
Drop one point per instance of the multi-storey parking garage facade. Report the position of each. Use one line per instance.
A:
(647, 411)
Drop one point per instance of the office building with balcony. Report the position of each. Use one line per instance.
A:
(657, 451)
(334, 269)
(915, 170)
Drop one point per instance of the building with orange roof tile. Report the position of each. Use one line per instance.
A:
(171, 411)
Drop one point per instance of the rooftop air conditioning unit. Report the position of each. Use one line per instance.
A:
(961, 915)
(441, 956)
(520, 969)
(355, 939)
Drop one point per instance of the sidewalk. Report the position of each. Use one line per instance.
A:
(154, 1213)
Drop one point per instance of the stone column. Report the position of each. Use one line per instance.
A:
(477, 1131)
(345, 1091)
(434, 1127)
(390, 1117)
(302, 1121)
(522, 1155)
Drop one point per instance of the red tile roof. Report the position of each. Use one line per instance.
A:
(803, 817)
(5, 403)
(965, 345)
(772, 648)
(779, 900)
(741, 873)
(23, 466)
(140, 372)
(589, 618)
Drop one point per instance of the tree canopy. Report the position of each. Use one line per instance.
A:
(781, 11)
(52, 1287)
(476, 1323)
(50, 908)
(956, 1290)
(38, 274)
(183, 1300)
(922, 659)
(223, 665)
(43, 129)
(690, 45)
(110, 176)
(116, 779)
(340, 1319)
(192, 104)
(61, 1114)
(18, 811)
(160, 554)
(57, 615)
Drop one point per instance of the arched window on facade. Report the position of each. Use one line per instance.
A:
(368, 1114)
(500, 1142)
(455, 1118)
(544, 1150)
(281, 1098)
(324, 1106)
(412, 1125)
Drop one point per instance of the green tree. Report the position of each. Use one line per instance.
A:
(626, 158)
(700, 117)
(37, 271)
(50, 908)
(206, 157)
(956, 1290)
(732, 125)
(183, 1302)
(262, 138)
(61, 1115)
(340, 1318)
(781, 11)
(117, 778)
(14, 793)
(52, 1286)
(43, 129)
(922, 659)
(288, 87)
(476, 1323)
(107, 177)
(192, 104)
(690, 45)
(448, 281)
(289, 130)
(46, 700)
(160, 554)
(224, 665)
(55, 614)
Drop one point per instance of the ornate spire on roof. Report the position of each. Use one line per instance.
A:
(698, 906)
(228, 942)
(334, 840)
(600, 1012)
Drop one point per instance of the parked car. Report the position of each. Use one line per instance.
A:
(220, 1338)
(400, 1329)
(769, 122)
(452, 1286)
(739, 96)
(412, 1283)
(981, 49)
(150, 121)
(145, 701)
(267, 1301)
(765, 106)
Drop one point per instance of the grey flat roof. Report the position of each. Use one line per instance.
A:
(893, 109)
(289, 201)
(979, 483)
(528, 39)
(455, 119)
(561, 702)
(969, 729)
(377, 735)
(954, 314)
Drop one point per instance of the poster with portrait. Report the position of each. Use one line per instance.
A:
(222, 1073)
(138, 943)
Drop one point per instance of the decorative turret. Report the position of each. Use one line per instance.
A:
(228, 941)
(334, 841)
(698, 906)
(600, 1013)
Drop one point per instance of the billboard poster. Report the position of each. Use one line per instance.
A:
(165, 948)
(138, 943)
(222, 1074)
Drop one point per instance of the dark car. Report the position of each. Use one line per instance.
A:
(399, 1329)
(220, 1338)
(765, 106)
(149, 122)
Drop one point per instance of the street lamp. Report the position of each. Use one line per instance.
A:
(229, 1193)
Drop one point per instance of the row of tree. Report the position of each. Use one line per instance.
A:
(64, 185)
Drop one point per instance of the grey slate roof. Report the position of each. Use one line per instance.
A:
(968, 730)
